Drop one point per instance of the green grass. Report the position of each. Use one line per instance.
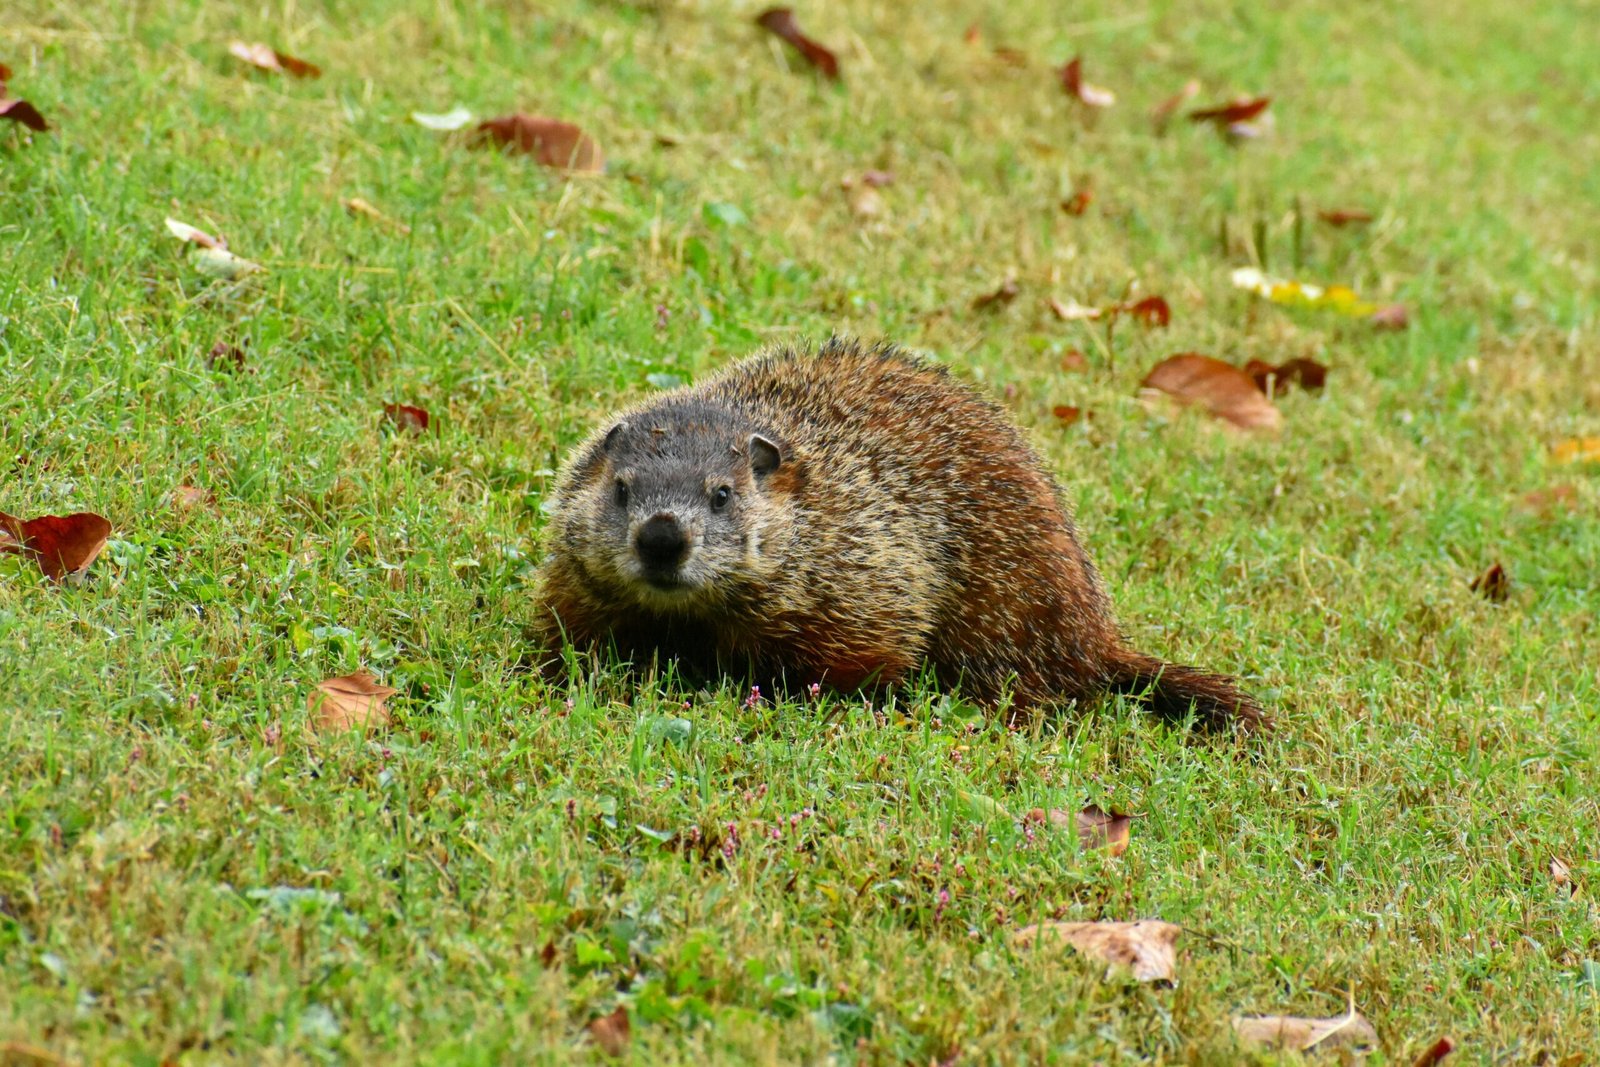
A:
(184, 877)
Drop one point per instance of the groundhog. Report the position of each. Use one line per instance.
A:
(843, 518)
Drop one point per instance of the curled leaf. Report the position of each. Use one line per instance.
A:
(1146, 947)
(1308, 374)
(1493, 584)
(25, 113)
(193, 235)
(1072, 311)
(550, 141)
(269, 59)
(59, 544)
(781, 21)
(1225, 391)
(1162, 113)
(407, 417)
(351, 701)
(454, 119)
(1242, 109)
(1000, 297)
(1092, 95)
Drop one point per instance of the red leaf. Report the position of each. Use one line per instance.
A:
(1000, 297)
(1345, 217)
(1435, 1052)
(1092, 95)
(1224, 390)
(408, 417)
(1079, 201)
(1493, 584)
(60, 544)
(269, 59)
(781, 21)
(551, 141)
(23, 112)
(1228, 114)
(1151, 311)
(1067, 415)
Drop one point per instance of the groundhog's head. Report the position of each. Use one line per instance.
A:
(671, 505)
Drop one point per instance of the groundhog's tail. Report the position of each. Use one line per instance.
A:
(1173, 692)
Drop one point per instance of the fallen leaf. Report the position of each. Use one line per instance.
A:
(1073, 359)
(1146, 946)
(1079, 201)
(187, 497)
(878, 179)
(1072, 311)
(1435, 1052)
(1000, 297)
(230, 357)
(353, 700)
(1162, 113)
(973, 34)
(270, 59)
(1291, 1032)
(552, 142)
(25, 113)
(407, 417)
(193, 235)
(1098, 828)
(865, 201)
(1545, 501)
(1576, 450)
(1239, 110)
(781, 21)
(1493, 584)
(547, 955)
(454, 119)
(1345, 217)
(612, 1032)
(357, 206)
(1224, 390)
(1308, 374)
(1092, 95)
(1067, 415)
(60, 544)
(1151, 311)
(1390, 317)
(221, 263)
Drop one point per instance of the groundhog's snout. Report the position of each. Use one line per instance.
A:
(661, 543)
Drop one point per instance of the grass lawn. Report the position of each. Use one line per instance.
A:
(188, 876)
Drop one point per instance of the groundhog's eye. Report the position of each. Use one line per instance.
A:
(622, 493)
(720, 497)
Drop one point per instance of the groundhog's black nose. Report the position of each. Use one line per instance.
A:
(661, 543)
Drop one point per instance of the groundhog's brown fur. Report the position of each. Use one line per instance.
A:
(843, 518)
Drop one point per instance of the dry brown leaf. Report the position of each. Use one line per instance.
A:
(1000, 297)
(1242, 109)
(1293, 1033)
(273, 61)
(1340, 217)
(25, 113)
(1073, 359)
(187, 497)
(408, 417)
(1098, 828)
(1076, 204)
(1225, 391)
(59, 544)
(1151, 311)
(1576, 450)
(350, 701)
(1162, 113)
(1067, 415)
(1560, 873)
(781, 21)
(1390, 317)
(1545, 501)
(550, 141)
(1308, 374)
(1435, 1052)
(1493, 584)
(1091, 95)
(612, 1032)
(1146, 946)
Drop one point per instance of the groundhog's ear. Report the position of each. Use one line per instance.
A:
(612, 435)
(764, 455)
